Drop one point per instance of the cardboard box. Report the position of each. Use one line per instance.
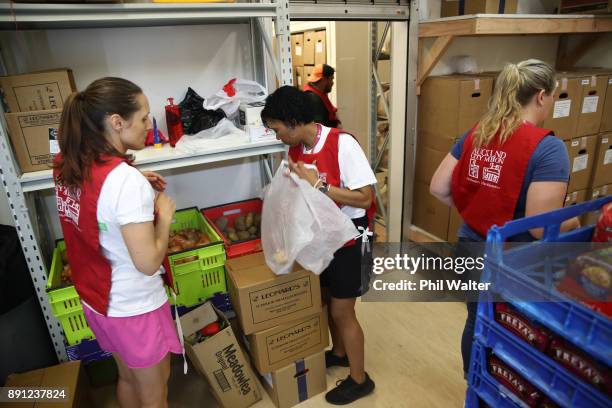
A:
(320, 47)
(593, 93)
(602, 168)
(297, 49)
(606, 116)
(452, 8)
(300, 81)
(260, 133)
(67, 376)
(221, 360)
(263, 300)
(449, 106)
(250, 114)
(274, 348)
(307, 71)
(37, 91)
(563, 117)
(384, 71)
(585, 6)
(454, 224)
(429, 213)
(575, 197)
(310, 39)
(581, 153)
(297, 382)
(427, 162)
(593, 194)
(34, 138)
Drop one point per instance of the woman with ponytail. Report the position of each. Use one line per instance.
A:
(107, 210)
(506, 167)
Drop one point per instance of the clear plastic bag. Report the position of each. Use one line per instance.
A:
(301, 224)
(235, 92)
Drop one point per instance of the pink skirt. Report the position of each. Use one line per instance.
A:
(141, 341)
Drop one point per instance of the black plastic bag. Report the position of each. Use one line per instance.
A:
(193, 115)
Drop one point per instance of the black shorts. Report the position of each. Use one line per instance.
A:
(348, 275)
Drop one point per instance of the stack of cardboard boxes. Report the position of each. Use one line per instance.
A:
(283, 325)
(307, 50)
(448, 107)
(581, 116)
(33, 103)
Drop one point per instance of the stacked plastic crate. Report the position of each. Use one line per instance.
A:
(538, 347)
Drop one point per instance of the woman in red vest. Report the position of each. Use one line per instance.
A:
(344, 175)
(506, 167)
(115, 249)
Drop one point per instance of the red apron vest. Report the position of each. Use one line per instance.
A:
(77, 209)
(331, 109)
(328, 166)
(487, 180)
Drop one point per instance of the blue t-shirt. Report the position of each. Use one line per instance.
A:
(549, 162)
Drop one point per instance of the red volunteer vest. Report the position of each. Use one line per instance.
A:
(91, 271)
(487, 180)
(331, 109)
(327, 164)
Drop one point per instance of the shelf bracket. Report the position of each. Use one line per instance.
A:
(428, 60)
(567, 56)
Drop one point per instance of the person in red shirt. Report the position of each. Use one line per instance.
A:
(344, 175)
(320, 84)
(506, 167)
(116, 230)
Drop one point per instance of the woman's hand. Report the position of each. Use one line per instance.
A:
(157, 181)
(300, 170)
(165, 206)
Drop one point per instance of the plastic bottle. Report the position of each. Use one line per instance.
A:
(173, 121)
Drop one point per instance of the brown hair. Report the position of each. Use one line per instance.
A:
(516, 84)
(82, 130)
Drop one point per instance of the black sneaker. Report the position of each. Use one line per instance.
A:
(333, 360)
(348, 390)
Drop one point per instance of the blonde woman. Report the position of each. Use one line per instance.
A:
(506, 167)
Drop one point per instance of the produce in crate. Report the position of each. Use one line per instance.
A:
(593, 271)
(245, 227)
(603, 228)
(186, 239)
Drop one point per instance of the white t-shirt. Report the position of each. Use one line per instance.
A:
(127, 197)
(355, 170)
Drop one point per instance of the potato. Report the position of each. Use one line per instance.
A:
(248, 221)
(243, 235)
(233, 236)
(230, 230)
(240, 223)
(221, 223)
(257, 220)
(64, 256)
(252, 230)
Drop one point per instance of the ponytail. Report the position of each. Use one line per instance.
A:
(82, 133)
(515, 86)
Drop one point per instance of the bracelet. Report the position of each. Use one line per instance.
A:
(316, 185)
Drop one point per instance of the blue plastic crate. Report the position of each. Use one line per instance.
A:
(484, 386)
(522, 270)
(540, 370)
(87, 351)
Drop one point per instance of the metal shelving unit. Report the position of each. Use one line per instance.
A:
(22, 189)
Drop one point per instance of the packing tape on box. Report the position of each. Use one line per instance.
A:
(583, 142)
(563, 84)
(300, 376)
(477, 84)
(593, 81)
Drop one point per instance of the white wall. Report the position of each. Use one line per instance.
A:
(164, 61)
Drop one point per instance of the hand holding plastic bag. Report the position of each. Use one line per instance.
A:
(299, 223)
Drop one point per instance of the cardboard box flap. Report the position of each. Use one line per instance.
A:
(258, 271)
(198, 318)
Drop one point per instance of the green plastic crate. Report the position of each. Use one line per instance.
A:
(65, 301)
(200, 272)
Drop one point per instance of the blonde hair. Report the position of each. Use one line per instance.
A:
(515, 86)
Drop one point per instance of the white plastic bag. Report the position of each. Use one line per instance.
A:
(224, 134)
(235, 92)
(301, 224)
